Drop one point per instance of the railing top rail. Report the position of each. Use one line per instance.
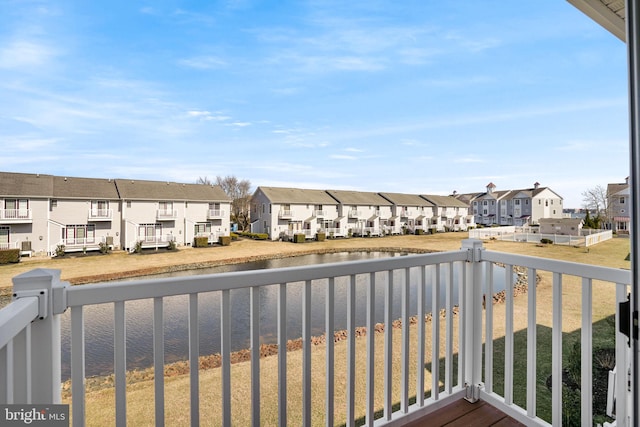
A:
(100, 293)
(15, 317)
(606, 274)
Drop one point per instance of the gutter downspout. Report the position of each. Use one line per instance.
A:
(633, 58)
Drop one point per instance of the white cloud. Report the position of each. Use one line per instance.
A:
(203, 62)
(342, 157)
(25, 54)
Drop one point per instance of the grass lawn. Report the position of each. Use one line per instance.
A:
(100, 400)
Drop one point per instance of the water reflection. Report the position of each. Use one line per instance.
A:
(139, 313)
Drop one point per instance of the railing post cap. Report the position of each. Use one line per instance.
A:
(38, 278)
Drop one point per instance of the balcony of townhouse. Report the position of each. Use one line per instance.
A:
(354, 213)
(16, 216)
(166, 215)
(79, 244)
(215, 214)
(320, 213)
(100, 214)
(412, 373)
(212, 237)
(285, 214)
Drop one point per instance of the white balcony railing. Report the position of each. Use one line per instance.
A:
(285, 213)
(166, 215)
(16, 215)
(9, 245)
(354, 213)
(215, 214)
(453, 348)
(100, 214)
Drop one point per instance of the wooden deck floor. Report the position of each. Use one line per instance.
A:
(462, 413)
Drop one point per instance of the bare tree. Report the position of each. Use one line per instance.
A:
(204, 180)
(240, 193)
(595, 199)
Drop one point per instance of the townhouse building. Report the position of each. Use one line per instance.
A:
(282, 212)
(514, 207)
(449, 213)
(619, 206)
(365, 213)
(155, 213)
(44, 213)
(412, 211)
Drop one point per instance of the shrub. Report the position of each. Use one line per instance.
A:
(172, 245)
(60, 250)
(201, 242)
(138, 247)
(546, 241)
(224, 240)
(255, 236)
(320, 237)
(9, 256)
(298, 238)
(104, 248)
(234, 236)
(419, 231)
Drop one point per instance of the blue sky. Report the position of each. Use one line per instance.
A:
(413, 97)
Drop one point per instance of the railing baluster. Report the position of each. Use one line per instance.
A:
(388, 346)
(351, 351)
(508, 335)
(556, 352)
(5, 373)
(448, 374)
(282, 354)
(10, 373)
(586, 358)
(225, 353)
(194, 360)
(404, 397)
(77, 365)
(255, 356)
(421, 336)
(488, 345)
(371, 325)
(622, 363)
(435, 334)
(22, 366)
(531, 342)
(330, 376)
(462, 292)
(120, 362)
(306, 353)
(158, 359)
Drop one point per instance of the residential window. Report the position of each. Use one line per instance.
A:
(150, 232)
(128, 203)
(264, 210)
(53, 204)
(165, 206)
(485, 203)
(493, 202)
(16, 208)
(526, 202)
(517, 202)
(4, 238)
(79, 234)
(622, 200)
(546, 203)
(202, 228)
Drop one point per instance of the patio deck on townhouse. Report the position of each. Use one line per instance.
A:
(379, 379)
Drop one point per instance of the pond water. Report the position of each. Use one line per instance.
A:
(139, 313)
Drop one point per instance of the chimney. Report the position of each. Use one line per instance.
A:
(626, 180)
(490, 187)
(536, 185)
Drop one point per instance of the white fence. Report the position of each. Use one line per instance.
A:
(30, 338)
(587, 238)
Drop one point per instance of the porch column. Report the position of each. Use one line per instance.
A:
(45, 331)
(472, 312)
(633, 58)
